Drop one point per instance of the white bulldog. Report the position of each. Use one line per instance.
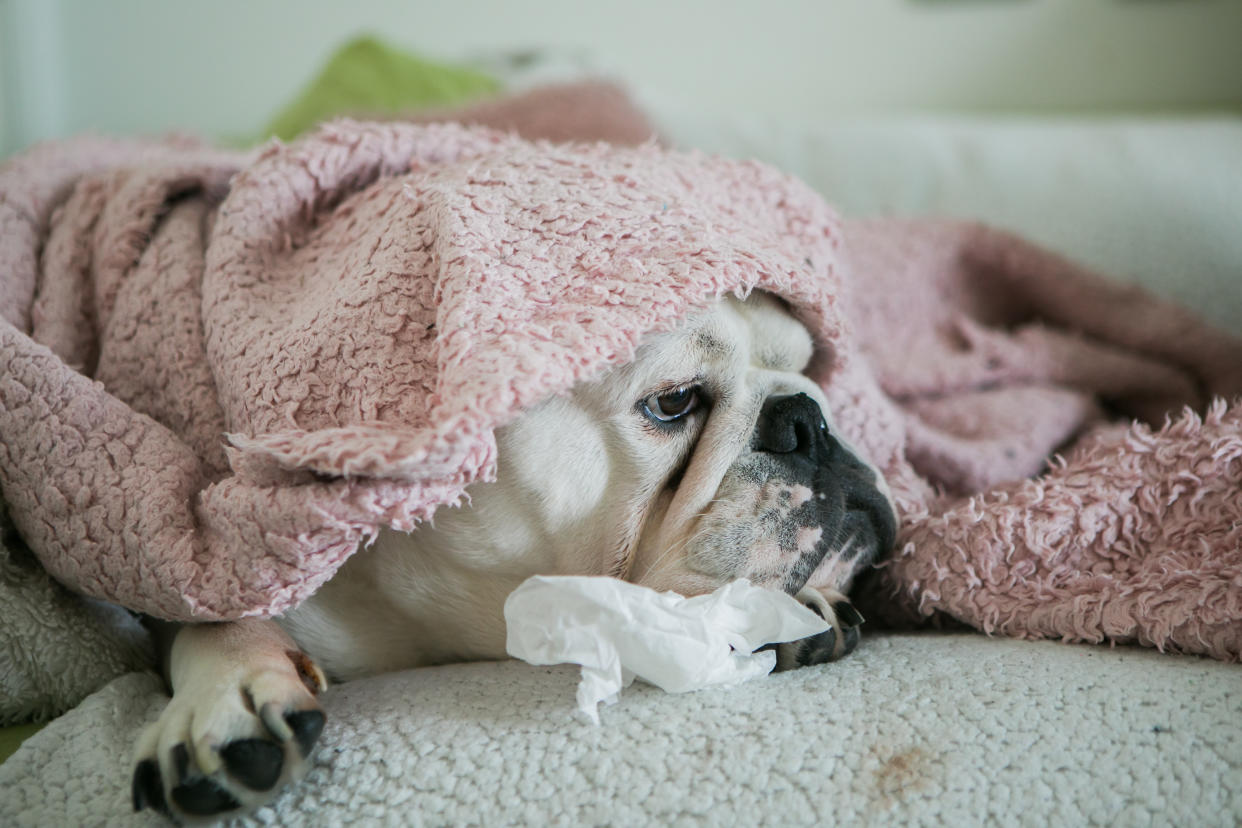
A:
(708, 458)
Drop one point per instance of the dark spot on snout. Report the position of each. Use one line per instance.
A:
(713, 346)
(857, 521)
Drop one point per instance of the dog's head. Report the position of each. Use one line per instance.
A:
(707, 458)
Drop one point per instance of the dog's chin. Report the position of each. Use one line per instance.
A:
(777, 533)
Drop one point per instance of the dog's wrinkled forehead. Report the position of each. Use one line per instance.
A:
(718, 345)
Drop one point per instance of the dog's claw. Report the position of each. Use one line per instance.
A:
(306, 726)
(203, 797)
(147, 788)
(838, 641)
(852, 637)
(847, 614)
(256, 763)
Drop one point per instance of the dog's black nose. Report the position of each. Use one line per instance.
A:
(789, 424)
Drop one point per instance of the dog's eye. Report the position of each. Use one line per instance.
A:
(672, 405)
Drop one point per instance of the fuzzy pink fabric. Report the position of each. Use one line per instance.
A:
(1050, 519)
(591, 110)
(359, 311)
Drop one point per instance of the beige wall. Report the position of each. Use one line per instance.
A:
(225, 66)
(6, 125)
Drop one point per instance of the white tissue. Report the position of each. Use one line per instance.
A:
(617, 630)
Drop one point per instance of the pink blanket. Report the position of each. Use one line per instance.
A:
(222, 373)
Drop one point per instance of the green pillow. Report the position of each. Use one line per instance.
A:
(11, 738)
(368, 76)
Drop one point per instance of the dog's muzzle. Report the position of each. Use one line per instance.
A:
(857, 519)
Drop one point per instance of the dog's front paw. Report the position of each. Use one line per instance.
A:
(836, 642)
(229, 739)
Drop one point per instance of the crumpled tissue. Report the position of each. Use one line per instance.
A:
(618, 630)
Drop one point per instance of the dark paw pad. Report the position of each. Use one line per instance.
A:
(256, 763)
(852, 637)
(203, 797)
(817, 649)
(181, 761)
(148, 789)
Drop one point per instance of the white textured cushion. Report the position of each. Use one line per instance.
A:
(927, 729)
